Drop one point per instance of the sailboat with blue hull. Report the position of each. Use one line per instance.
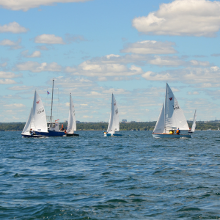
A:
(113, 124)
(52, 127)
(171, 122)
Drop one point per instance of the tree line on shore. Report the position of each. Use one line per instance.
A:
(135, 126)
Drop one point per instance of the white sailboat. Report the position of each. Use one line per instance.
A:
(52, 127)
(36, 120)
(171, 119)
(113, 124)
(193, 124)
(71, 127)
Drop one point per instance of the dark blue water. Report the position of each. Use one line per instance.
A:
(96, 177)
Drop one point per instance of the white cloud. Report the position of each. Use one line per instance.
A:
(11, 44)
(99, 69)
(13, 27)
(182, 17)
(38, 67)
(7, 81)
(149, 47)
(33, 55)
(26, 5)
(206, 77)
(166, 61)
(48, 39)
(8, 75)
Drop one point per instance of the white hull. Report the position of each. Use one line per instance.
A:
(171, 135)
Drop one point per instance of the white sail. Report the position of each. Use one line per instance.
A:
(194, 123)
(160, 125)
(39, 113)
(27, 126)
(37, 117)
(114, 118)
(174, 116)
(71, 127)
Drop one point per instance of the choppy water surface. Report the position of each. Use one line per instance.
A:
(96, 177)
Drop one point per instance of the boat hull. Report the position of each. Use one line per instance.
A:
(171, 135)
(69, 135)
(31, 136)
(50, 133)
(109, 134)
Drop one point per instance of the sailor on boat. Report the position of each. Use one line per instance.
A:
(177, 131)
(32, 133)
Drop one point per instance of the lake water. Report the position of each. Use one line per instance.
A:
(96, 177)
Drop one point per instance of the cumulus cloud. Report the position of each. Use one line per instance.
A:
(13, 27)
(206, 77)
(38, 67)
(26, 5)
(182, 17)
(11, 44)
(149, 47)
(48, 39)
(102, 70)
(33, 55)
(8, 75)
(7, 81)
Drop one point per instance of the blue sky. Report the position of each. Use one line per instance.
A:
(95, 47)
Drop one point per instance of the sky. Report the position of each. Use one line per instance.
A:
(93, 48)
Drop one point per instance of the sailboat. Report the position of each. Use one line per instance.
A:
(113, 124)
(193, 124)
(36, 120)
(71, 127)
(52, 127)
(171, 119)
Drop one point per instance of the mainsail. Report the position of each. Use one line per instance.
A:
(194, 123)
(71, 127)
(114, 118)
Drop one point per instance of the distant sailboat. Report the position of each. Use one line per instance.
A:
(53, 127)
(113, 124)
(71, 127)
(171, 119)
(193, 124)
(36, 120)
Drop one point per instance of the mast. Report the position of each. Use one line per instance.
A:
(51, 113)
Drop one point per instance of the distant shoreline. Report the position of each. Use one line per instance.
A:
(102, 126)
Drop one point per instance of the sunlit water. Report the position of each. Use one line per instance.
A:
(96, 177)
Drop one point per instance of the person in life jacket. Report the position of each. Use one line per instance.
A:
(177, 131)
(62, 129)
